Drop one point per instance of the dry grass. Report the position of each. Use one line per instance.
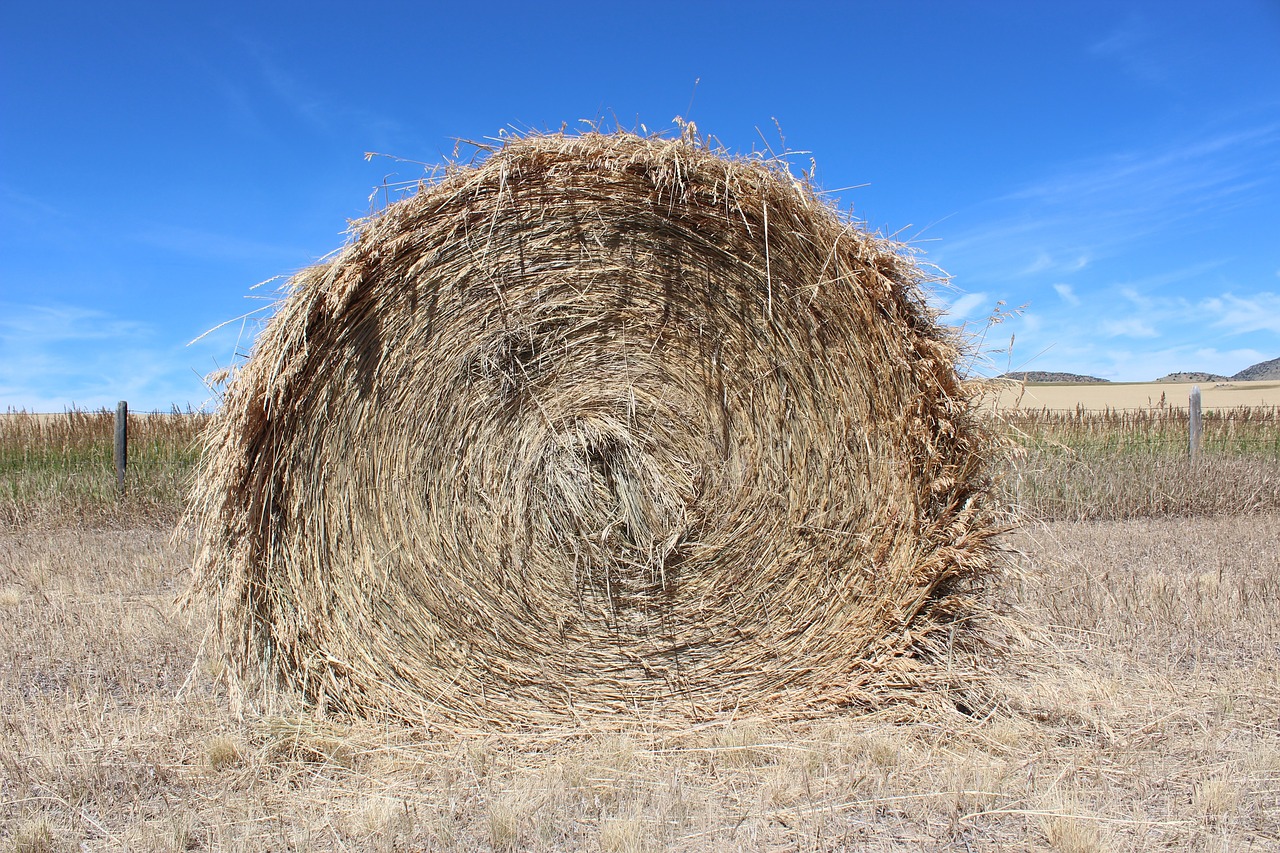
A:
(1096, 396)
(1111, 465)
(1065, 486)
(1159, 431)
(57, 470)
(1141, 715)
(601, 425)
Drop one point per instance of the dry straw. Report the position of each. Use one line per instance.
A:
(601, 424)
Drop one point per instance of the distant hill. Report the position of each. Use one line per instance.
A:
(1261, 370)
(1049, 376)
(1194, 376)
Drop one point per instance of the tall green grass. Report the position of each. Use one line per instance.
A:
(1083, 465)
(1159, 431)
(1073, 465)
(60, 468)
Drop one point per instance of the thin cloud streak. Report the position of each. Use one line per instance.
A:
(24, 326)
(1067, 294)
(1240, 315)
(963, 307)
(1070, 239)
(1110, 334)
(1101, 208)
(94, 359)
(1130, 46)
(208, 244)
(1131, 327)
(1220, 162)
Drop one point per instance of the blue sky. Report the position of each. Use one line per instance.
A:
(1113, 167)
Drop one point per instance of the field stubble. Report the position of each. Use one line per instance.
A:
(1140, 713)
(1137, 708)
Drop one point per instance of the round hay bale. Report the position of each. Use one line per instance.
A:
(603, 423)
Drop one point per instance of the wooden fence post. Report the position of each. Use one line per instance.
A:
(122, 443)
(1197, 426)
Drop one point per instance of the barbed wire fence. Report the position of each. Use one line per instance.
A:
(103, 436)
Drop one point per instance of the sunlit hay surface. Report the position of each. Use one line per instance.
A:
(604, 423)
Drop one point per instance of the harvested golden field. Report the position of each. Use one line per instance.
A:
(1097, 396)
(1137, 706)
(1139, 712)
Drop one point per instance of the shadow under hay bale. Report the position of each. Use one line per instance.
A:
(605, 423)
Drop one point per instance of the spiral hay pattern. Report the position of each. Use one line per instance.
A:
(604, 423)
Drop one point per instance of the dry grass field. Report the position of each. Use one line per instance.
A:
(1137, 395)
(1137, 708)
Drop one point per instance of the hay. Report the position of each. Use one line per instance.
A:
(603, 423)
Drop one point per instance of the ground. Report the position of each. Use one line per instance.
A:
(1139, 395)
(1138, 708)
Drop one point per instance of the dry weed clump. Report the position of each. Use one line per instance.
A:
(602, 424)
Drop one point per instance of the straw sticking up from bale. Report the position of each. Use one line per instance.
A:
(603, 423)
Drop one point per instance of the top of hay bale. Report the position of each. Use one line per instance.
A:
(602, 423)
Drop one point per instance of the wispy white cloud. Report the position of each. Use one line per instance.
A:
(24, 207)
(1229, 312)
(56, 356)
(208, 244)
(963, 307)
(1139, 300)
(1067, 294)
(1219, 165)
(1111, 206)
(1241, 315)
(22, 326)
(1136, 264)
(1045, 262)
(1142, 333)
(1121, 364)
(1131, 327)
(1041, 263)
(272, 89)
(1130, 45)
(30, 217)
(303, 100)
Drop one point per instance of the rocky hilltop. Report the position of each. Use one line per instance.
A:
(1050, 376)
(1194, 376)
(1260, 371)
